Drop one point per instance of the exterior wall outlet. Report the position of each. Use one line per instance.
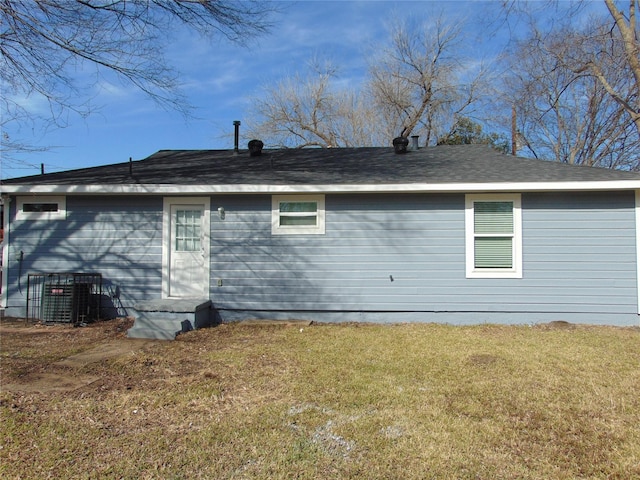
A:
(219, 282)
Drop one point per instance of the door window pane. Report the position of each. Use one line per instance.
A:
(188, 226)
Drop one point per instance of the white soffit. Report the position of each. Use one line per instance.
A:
(170, 189)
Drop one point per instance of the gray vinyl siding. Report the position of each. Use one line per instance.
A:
(391, 257)
(580, 253)
(579, 260)
(367, 240)
(119, 237)
(348, 268)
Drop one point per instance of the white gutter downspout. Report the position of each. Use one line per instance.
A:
(6, 201)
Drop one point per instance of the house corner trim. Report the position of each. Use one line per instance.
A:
(637, 211)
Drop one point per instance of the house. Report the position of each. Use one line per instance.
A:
(457, 234)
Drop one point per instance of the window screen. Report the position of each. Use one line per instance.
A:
(40, 207)
(298, 213)
(493, 232)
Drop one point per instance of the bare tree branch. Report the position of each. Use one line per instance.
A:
(421, 81)
(564, 113)
(44, 42)
(418, 83)
(608, 49)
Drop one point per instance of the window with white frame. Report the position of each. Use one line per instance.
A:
(41, 207)
(493, 225)
(297, 214)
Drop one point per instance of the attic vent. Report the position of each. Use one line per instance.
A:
(400, 144)
(255, 148)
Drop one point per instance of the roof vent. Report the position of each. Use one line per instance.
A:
(414, 142)
(236, 135)
(255, 148)
(400, 144)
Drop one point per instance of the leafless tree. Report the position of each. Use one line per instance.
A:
(567, 113)
(626, 56)
(43, 42)
(422, 81)
(310, 110)
(418, 82)
(613, 46)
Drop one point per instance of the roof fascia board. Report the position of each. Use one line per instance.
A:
(166, 189)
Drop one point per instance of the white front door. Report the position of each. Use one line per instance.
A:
(186, 248)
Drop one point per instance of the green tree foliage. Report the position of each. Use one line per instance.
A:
(466, 131)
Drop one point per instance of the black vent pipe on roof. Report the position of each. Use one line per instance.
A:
(414, 142)
(236, 135)
(400, 144)
(255, 148)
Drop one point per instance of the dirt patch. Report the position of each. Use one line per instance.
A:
(28, 367)
(50, 382)
(104, 351)
(557, 325)
(561, 324)
(483, 359)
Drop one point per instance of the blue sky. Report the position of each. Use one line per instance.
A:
(219, 78)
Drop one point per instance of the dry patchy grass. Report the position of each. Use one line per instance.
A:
(330, 401)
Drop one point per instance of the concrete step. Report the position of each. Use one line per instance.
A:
(166, 318)
(180, 324)
(151, 333)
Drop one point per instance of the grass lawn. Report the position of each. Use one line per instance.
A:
(406, 401)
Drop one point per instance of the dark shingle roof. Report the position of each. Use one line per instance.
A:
(448, 164)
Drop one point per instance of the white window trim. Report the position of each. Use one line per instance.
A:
(277, 229)
(516, 270)
(60, 214)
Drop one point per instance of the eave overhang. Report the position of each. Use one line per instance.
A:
(173, 189)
